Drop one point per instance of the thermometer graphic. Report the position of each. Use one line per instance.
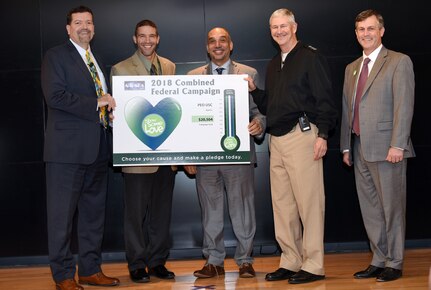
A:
(229, 142)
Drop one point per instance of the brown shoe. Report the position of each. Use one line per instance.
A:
(99, 279)
(209, 271)
(246, 271)
(68, 284)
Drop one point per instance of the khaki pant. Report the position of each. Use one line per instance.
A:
(298, 195)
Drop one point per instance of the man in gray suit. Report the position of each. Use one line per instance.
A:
(236, 180)
(148, 189)
(381, 142)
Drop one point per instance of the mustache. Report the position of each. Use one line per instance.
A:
(84, 30)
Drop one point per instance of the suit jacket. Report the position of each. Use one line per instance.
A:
(386, 106)
(73, 131)
(237, 68)
(134, 66)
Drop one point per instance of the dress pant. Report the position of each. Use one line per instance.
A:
(237, 181)
(147, 217)
(298, 200)
(77, 189)
(381, 188)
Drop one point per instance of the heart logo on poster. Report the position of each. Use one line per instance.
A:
(152, 124)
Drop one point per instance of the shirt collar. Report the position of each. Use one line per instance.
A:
(148, 63)
(79, 48)
(373, 55)
(226, 66)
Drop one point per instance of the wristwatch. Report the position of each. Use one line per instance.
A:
(322, 135)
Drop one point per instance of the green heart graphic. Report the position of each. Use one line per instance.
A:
(152, 124)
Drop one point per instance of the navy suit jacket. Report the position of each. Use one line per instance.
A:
(73, 130)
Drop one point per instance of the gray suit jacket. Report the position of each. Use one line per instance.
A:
(386, 107)
(134, 66)
(237, 68)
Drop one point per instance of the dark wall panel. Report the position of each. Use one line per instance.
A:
(180, 25)
(20, 49)
(22, 185)
(22, 210)
(22, 121)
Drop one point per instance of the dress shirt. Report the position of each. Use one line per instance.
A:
(99, 71)
(226, 66)
(148, 63)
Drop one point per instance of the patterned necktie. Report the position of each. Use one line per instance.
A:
(153, 70)
(220, 70)
(359, 89)
(103, 111)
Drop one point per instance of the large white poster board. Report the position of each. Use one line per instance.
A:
(199, 119)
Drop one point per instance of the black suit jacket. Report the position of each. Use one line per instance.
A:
(73, 130)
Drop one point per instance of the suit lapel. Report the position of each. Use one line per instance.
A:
(208, 70)
(76, 57)
(165, 66)
(380, 61)
(233, 68)
(103, 69)
(353, 74)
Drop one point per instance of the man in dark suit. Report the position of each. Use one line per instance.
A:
(77, 151)
(236, 180)
(378, 115)
(148, 189)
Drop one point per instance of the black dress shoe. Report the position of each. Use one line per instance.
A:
(370, 272)
(389, 274)
(305, 277)
(279, 274)
(161, 272)
(139, 276)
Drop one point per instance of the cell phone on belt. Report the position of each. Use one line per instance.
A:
(304, 123)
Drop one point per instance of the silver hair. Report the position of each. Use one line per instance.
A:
(283, 12)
